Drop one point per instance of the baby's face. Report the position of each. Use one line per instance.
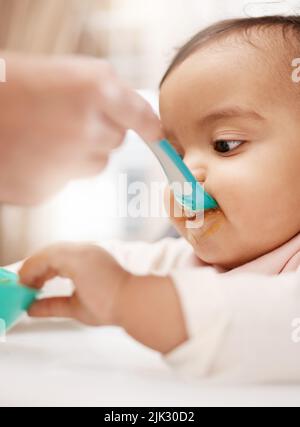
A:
(228, 113)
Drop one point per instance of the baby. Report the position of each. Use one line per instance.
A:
(221, 301)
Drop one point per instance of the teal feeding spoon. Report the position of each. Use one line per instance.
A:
(15, 299)
(188, 192)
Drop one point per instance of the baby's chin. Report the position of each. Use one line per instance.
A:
(208, 238)
(215, 249)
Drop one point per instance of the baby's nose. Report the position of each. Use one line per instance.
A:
(198, 170)
(200, 175)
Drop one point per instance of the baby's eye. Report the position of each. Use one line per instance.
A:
(224, 146)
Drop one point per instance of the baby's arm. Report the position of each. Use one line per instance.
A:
(244, 326)
(150, 311)
(147, 307)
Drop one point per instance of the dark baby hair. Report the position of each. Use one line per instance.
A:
(290, 25)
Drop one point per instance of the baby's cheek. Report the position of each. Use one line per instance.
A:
(253, 217)
(235, 188)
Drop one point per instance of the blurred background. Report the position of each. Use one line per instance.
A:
(139, 37)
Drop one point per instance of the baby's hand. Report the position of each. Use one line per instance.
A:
(97, 277)
(146, 307)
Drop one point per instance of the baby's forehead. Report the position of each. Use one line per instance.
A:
(260, 58)
(268, 55)
(248, 74)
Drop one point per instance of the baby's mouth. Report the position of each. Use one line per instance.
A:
(207, 215)
(202, 228)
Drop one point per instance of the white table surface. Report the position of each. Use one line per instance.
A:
(61, 363)
(54, 363)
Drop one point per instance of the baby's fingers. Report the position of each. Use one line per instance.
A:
(55, 261)
(53, 307)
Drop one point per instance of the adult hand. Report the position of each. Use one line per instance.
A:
(60, 119)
